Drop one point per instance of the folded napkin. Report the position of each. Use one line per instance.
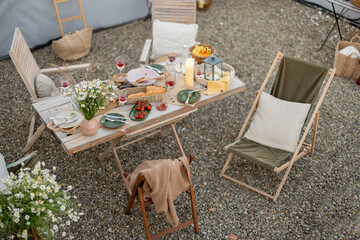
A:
(221, 85)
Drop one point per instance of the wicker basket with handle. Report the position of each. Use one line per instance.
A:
(74, 45)
(355, 2)
(345, 65)
(151, 98)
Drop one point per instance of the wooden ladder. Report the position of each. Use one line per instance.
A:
(60, 21)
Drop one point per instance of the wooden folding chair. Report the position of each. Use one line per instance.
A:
(28, 69)
(307, 148)
(178, 11)
(138, 192)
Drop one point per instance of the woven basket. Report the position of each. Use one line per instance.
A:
(226, 67)
(74, 45)
(345, 65)
(355, 2)
(200, 59)
(152, 98)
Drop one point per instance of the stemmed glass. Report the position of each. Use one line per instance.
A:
(171, 58)
(199, 68)
(171, 79)
(64, 83)
(122, 99)
(119, 63)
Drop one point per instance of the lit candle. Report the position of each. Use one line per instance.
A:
(189, 72)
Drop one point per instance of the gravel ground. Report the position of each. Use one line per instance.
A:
(320, 198)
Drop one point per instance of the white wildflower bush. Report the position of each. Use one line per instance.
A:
(90, 96)
(35, 204)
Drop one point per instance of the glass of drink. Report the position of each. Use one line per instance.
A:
(64, 83)
(198, 70)
(122, 99)
(171, 58)
(119, 63)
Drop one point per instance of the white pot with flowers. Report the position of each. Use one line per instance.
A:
(88, 97)
(35, 206)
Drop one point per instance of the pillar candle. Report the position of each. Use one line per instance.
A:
(189, 72)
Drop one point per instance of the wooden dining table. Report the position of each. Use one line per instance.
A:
(156, 122)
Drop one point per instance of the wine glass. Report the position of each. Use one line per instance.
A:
(64, 83)
(199, 73)
(171, 59)
(122, 99)
(119, 63)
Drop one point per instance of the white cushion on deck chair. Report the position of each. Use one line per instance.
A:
(3, 173)
(45, 87)
(170, 37)
(277, 123)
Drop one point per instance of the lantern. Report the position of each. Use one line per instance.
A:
(213, 61)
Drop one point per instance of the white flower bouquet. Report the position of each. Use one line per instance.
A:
(90, 96)
(35, 206)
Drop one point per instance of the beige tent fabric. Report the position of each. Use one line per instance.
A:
(165, 180)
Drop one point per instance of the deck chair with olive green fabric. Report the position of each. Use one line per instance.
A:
(297, 82)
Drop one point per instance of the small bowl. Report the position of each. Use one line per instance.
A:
(200, 59)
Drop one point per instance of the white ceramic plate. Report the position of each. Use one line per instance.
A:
(60, 118)
(138, 73)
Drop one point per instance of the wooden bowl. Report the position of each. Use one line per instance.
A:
(200, 59)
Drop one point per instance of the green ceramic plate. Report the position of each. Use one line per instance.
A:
(134, 111)
(159, 69)
(109, 124)
(183, 95)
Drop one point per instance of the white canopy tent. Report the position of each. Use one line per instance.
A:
(38, 23)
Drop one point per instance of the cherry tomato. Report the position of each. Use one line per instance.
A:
(148, 108)
(136, 116)
(138, 108)
(142, 116)
(143, 113)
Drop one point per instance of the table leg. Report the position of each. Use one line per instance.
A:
(332, 28)
(127, 187)
(177, 139)
(337, 20)
(112, 144)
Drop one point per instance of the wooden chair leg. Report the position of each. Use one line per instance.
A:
(177, 140)
(143, 212)
(34, 137)
(226, 164)
(122, 173)
(32, 126)
(283, 180)
(314, 133)
(193, 208)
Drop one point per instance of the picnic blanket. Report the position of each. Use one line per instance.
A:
(165, 179)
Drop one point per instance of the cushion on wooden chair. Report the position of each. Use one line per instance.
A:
(267, 157)
(45, 87)
(170, 37)
(277, 123)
